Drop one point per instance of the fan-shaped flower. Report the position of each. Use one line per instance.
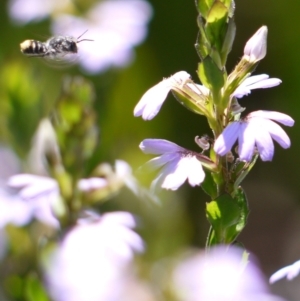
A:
(178, 164)
(257, 129)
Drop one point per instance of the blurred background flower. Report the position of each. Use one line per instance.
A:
(91, 262)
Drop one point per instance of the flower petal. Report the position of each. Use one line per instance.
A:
(152, 100)
(195, 172)
(277, 116)
(256, 47)
(277, 133)
(157, 162)
(290, 272)
(260, 81)
(225, 141)
(246, 141)
(159, 146)
(264, 142)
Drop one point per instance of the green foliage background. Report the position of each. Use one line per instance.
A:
(29, 88)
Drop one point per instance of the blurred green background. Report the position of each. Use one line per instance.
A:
(29, 88)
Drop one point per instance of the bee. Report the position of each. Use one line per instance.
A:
(56, 47)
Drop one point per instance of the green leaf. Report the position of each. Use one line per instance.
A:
(210, 75)
(209, 186)
(222, 213)
(228, 40)
(34, 289)
(241, 198)
(202, 46)
(216, 26)
(204, 6)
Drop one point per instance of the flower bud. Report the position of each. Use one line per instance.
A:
(256, 47)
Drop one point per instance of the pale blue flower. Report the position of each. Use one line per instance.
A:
(290, 272)
(221, 274)
(256, 47)
(256, 130)
(260, 81)
(178, 164)
(151, 102)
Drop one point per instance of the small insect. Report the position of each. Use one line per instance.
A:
(55, 48)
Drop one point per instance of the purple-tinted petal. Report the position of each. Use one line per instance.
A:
(246, 141)
(277, 133)
(159, 146)
(267, 83)
(256, 47)
(172, 177)
(277, 116)
(264, 142)
(152, 100)
(225, 141)
(158, 162)
(290, 272)
(260, 81)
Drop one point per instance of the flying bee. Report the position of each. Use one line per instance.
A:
(54, 48)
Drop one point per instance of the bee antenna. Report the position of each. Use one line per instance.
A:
(85, 40)
(82, 34)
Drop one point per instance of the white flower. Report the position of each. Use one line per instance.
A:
(178, 164)
(151, 102)
(290, 272)
(257, 129)
(90, 264)
(260, 81)
(256, 47)
(220, 275)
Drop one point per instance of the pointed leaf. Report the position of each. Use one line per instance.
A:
(222, 213)
(210, 75)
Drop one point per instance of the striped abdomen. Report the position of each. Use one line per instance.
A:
(33, 48)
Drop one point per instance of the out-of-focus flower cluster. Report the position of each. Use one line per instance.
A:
(115, 26)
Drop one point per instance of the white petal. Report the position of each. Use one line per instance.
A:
(152, 100)
(159, 146)
(195, 172)
(180, 77)
(277, 116)
(174, 176)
